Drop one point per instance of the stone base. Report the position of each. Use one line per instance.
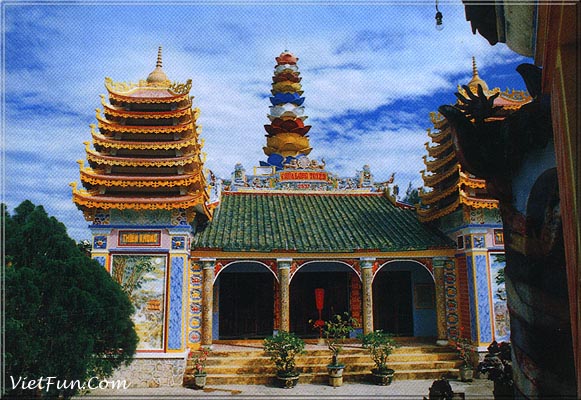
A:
(154, 370)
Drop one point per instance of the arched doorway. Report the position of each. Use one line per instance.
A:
(404, 299)
(245, 299)
(341, 287)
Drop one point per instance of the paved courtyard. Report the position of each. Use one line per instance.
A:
(407, 389)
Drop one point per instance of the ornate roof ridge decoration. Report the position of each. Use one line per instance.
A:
(436, 195)
(437, 118)
(434, 179)
(141, 162)
(437, 164)
(89, 200)
(477, 202)
(521, 96)
(104, 141)
(435, 151)
(174, 89)
(121, 112)
(431, 214)
(161, 129)
(474, 183)
(91, 177)
(316, 193)
(149, 100)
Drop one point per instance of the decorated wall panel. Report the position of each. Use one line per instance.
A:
(143, 278)
(499, 308)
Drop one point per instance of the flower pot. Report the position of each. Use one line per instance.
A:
(382, 377)
(287, 381)
(503, 391)
(335, 375)
(199, 381)
(466, 373)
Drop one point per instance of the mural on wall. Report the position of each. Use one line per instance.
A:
(142, 277)
(501, 319)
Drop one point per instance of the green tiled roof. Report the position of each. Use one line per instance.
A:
(315, 223)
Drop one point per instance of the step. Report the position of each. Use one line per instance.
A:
(269, 379)
(244, 362)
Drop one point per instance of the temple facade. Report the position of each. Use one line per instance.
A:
(286, 243)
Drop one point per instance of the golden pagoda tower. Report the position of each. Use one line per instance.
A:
(449, 186)
(143, 189)
(460, 205)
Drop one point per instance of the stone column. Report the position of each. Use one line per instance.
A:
(207, 299)
(284, 282)
(367, 278)
(438, 263)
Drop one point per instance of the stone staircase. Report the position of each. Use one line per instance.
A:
(244, 362)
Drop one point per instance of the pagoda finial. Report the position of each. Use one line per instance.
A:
(476, 80)
(159, 64)
(157, 77)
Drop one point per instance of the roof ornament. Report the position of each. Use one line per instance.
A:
(476, 80)
(157, 77)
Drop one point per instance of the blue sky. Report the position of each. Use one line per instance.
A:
(372, 73)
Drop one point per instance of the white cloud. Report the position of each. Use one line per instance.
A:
(353, 59)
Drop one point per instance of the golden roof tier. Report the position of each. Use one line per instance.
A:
(446, 186)
(146, 154)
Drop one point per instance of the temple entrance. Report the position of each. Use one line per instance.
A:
(334, 279)
(403, 300)
(246, 302)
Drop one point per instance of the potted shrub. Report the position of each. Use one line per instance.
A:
(380, 346)
(336, 330)
(497, 364)
(282, 349)
(200, 368)
(466, 370)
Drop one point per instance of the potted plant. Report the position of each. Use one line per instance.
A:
(380, 346)
(282, 349)
(497, 364)
(200, 368)
(336, 330)
(466, 370)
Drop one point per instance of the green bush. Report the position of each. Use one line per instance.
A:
(380, 346)
(282, 350)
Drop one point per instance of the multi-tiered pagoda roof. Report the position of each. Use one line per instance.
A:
(145, 152)
(447, 186)
(286, 137)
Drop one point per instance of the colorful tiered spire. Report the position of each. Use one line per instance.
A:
(287, 134)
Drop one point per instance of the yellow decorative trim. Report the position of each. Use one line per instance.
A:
(88, 176)
(102, 140)
(174, 88)
(436, 151)
(148, 100)
(436, 117)
(141, 162)
(427, 215)
(143, 115)
(431, 180)
(472, 182)
(436, 164)
(108, 125)
(477, 203)
(197, 254)
(434, 196)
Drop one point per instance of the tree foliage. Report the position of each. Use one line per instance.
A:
(412, 195)
(64, 315)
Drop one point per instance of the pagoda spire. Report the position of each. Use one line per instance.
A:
(476, 80)
(286, 137)
(159, 63)
(157, 77)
